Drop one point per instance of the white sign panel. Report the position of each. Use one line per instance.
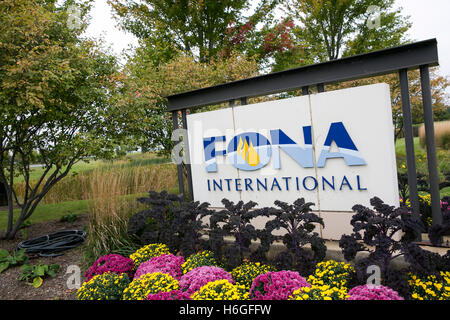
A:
(335, 149)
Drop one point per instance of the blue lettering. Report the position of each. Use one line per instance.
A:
(327, 182)
(228, 183)
(275, 182)
(347, 149)
(259, 183)
(237, 183)
(286, 179)
(248, 183)
(345, 183)
(219, 186)
(315, 183)
(303, 156)
(359, 184)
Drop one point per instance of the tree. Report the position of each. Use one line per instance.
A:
(55, 91)
(439, 85)
(337, 27)
(146, 86)
(196, 28)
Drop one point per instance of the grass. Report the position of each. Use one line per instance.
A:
(443, 159)
(49, 212)
(36, 172)
(131, 160)
(76, 193)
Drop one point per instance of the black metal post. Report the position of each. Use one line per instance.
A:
(431, 145)
(320, 88)
(305, 90)
(231, 103)
(187, 156)
(409, 143)
(179, 166)
(243, 101)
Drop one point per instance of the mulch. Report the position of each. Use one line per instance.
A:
(52, 288)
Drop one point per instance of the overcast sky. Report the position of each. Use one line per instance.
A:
(430, 19)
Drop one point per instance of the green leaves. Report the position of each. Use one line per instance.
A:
(3, 253)
(7, 260)
(34, 274)
(56, 98)
(37, 282)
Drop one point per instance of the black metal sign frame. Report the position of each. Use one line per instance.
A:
(419, 55)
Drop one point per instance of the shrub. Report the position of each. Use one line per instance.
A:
(276, 285)
(149, 251)
(221, 290)
(154, 225)
(246, 273)
(204, 258)
(333, 274)
(298, 222)
(234, 221)
(110, 263)
(318, 292)
(150, 283)
(104, 286)
(430, 287)
(375, 231)
(171, 295)
(371, 292)
(170, 220)
(198, 277)
(165, 263)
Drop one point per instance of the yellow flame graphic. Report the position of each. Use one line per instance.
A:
(248, 152)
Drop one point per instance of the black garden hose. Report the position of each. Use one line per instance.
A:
(52, 245)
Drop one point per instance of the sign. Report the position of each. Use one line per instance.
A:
(335, 149)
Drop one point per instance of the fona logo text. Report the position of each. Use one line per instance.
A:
(252, 151)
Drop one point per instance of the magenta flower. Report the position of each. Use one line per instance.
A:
(373, 292)
(165, 263)
(171, 295)
(113, 263)
(276, 285)
(198, 277)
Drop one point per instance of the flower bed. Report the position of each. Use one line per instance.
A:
(159, 276)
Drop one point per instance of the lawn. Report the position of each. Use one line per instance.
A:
(443, 159)
(48, 212)
(130, 160)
